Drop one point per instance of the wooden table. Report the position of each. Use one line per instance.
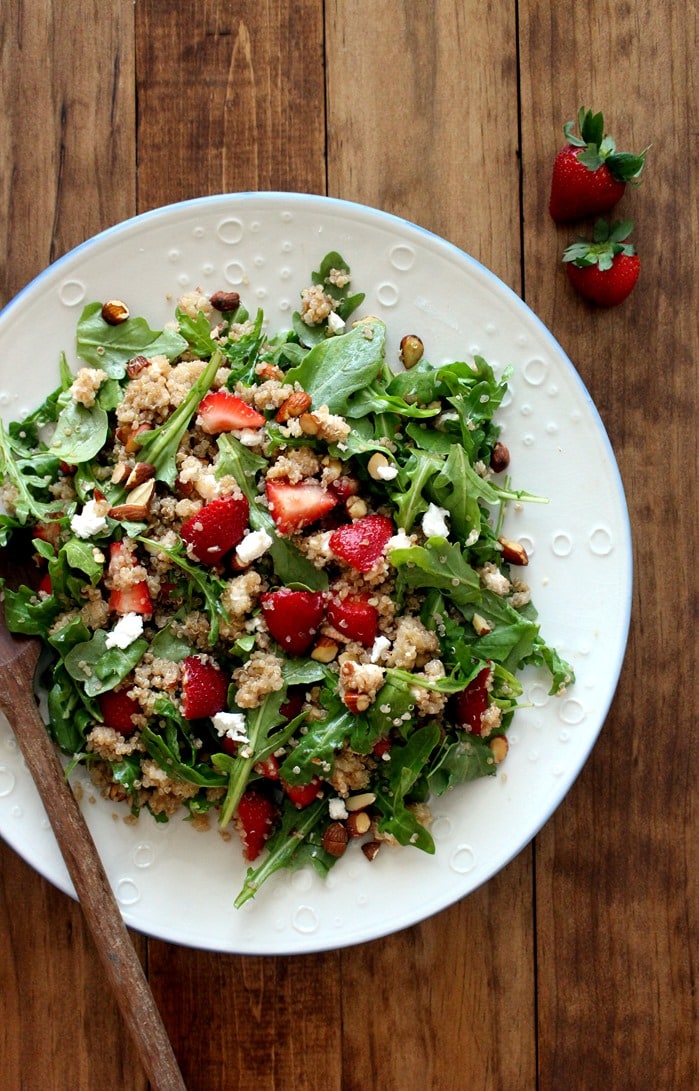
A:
(575, 967)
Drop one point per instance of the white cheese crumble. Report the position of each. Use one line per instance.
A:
(399, 541)
(386, 473)
(381, 646)
(232, 725)
(434, 524)
(337, 809)
(253, 546)
(91, 520)
(127, 629)
(335, 323)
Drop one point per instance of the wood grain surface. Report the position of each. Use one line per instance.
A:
(575, 967)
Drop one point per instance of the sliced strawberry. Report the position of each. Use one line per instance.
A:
(344, 487)
(295, 700)
(45, 584)
(255, 820)
(361, 544)
(382, 746)
(472, 702)
(48, 532)
(301, 795)
(216, 529)
(355, 619)
(269, 768)
(294, 507)
(204, 688)
(293, 617)
(118, 710)
(221, 411)
(131, 600)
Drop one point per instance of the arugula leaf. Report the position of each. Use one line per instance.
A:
(111, 347)
(197, 332)
(460, 761)
(26, 613)
(71, 714)
(201, 580)
(260, 722)
(439, 564)
(30, 475)
(165, 752)
(340, 366)
(295, 829)
(100, 668)
(408, 764)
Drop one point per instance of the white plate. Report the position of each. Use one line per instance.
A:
(179, 885)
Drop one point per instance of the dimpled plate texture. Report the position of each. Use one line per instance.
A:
(179, 885)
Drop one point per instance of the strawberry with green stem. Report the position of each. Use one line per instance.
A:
(589, 174)
(604, 270)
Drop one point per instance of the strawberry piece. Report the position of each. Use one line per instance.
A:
(302, 795)
(255, 820)
(344, 487)
(127, 600)
(48, 532)
(382, 746)
(216, 529)
(131, 600)
(294, 507)
(472, 702)
(269, 768)
(589, 175)
(118, 710)
(45, 584)
(295, 700)
(605, 270)
(355, 619)
(221, 411)
(204, 688)
(293, 617)
(361, 544)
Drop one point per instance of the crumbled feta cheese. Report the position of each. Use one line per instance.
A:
(253, 546)
(232, 725)
(399, 541)
(381, 646)
(337, 809)
(335, 323)
(127, 629)
(91, 520)
(434, 523)
(250, 437)
(386, 473)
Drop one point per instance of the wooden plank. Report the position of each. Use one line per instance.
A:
(429, 132)
(230, 98)
(68, 132)
(249, 115)
(617, 868)
(251, 1023)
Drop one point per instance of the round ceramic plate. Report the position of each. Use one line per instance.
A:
(179, 885)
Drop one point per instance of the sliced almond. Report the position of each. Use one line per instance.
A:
(513, 552)
(360, 802)
(498, 747)
(135, 507)
(356, 702)
(358, 824)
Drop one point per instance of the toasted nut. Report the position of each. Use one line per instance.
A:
(296, 404)
(128, 435)
(114, 312)
(225, 302)
(481, 626)
(356, 702)
(513, 552)
(411, 350)
(335, 839)
(135, 507)
(136, 365)
(310, 426)
(360, 802)
(377, 464)
(499, 458)
(120, 473)
(269, 371)
(358, 824)
(332, 470)
(142, 471)
(356, 508)
(371, 849)
(498, 747)
(325, 650)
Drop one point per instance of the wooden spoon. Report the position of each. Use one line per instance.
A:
(18, 660)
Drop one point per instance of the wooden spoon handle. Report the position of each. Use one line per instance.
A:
(99, 906)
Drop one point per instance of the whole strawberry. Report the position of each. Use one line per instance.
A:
(589, 174)
(604, 270)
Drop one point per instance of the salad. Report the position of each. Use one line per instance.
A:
(271, 578)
